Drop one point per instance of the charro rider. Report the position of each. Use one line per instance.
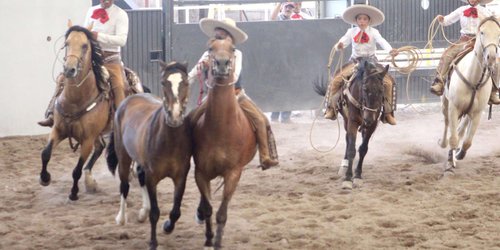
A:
(363, 39)
(265, 139)
(470, 17)
(110, 28)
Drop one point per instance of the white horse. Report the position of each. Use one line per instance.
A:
(469, 90)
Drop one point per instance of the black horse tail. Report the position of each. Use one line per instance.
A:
(320, 86)
(111, 157)
(146, 89)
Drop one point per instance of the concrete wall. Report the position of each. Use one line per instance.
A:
(27, 59)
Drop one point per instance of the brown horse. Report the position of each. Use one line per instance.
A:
(82, 110)
(224, 141)
(361, 110)
(152, 133)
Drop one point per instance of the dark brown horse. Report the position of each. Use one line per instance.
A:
(82, 111)
(224, 141)
(361, 110)
(152, 133)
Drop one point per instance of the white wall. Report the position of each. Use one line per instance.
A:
(26, 59)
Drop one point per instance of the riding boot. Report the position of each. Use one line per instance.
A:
(437, 86)
(494, 97)
(267, 151)
(388, 113)
(49, 113)
(332, 98)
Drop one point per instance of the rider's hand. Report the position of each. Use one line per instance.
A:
(340, 46)
(440, 18)
(394, 52)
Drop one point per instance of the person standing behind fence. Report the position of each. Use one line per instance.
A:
(470, 17)
(110, 28)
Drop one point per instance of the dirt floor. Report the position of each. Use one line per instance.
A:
(404, 202)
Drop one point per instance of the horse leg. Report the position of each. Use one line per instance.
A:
(175, 213)
(471, 131)
(54, 140)
(230, 182)
(443, 142)
(462, 127)
(363, 149)
(351, 153)
(146, 203)
(204, 212)
(77, 171)
(154, 214)
(344, 163)
(453, 120)
(124, 162)
(90, 183)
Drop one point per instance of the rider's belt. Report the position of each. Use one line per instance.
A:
(111, 57)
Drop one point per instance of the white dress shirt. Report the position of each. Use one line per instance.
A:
(468, 25)
(192, 76)
(112, 34)
(364, 49)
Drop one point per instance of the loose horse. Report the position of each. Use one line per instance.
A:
(468, 92)
(361, 110)
(81, 111)
(224, 141)
(152, 133)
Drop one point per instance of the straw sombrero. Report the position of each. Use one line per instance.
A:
(350, 14)
(208, 26)
(483, 2)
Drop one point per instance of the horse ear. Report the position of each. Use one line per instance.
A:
(386, 69)
(162, 64)
(91, 25)
(185, 64)
(70, 24)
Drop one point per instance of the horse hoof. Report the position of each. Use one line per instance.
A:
(198, 220)
(443, 143)
(460, 155)
(73, 197)
(143, 213)
(448, 173)
(347, 185)
(357, 182)
(45, 179)
(342, 171)
(168, 227)
(120, 219)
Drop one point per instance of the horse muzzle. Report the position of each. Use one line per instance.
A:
(70, 72)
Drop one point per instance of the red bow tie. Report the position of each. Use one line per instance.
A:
(296, 16)
(471, 12)
(100, 14)
(364, 38)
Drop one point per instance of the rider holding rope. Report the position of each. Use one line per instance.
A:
(363, 39)
(470, 17)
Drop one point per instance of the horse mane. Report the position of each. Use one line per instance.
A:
(96, 53)
(175, 65)
(490, 18)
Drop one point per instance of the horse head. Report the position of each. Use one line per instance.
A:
(174, 80)
(488, 39)
(83, 52)
(221, 59)
(372, 90)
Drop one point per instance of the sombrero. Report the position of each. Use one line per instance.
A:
(483, 2)
(208, 26)
(350, 14)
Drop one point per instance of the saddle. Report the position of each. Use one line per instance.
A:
(468, 48)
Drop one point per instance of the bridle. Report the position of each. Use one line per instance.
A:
(213, 62)
(361, 106)
(79, 65)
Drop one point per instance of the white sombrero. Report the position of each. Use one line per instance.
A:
(350, 14)
(208, 26)
(483, 2)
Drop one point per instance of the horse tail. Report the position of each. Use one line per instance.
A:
(320, 86)
(111, 157)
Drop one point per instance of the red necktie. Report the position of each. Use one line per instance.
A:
(100, 14)
(364, 38)
(471, 12)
